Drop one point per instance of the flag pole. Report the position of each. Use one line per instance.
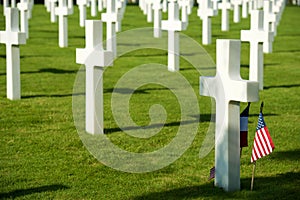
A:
(254, 164)
(253, 172)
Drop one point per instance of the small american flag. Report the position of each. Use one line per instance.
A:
(263, 144)
(212, 173)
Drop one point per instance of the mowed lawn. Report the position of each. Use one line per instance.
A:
(42, 156)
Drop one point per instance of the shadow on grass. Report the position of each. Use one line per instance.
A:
(203, 117)
(131, 91)
(51, 95)
(287, 155)
(48, 70)
(282, 186)
(23, 192)
(281, 86)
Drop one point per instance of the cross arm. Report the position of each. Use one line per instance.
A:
(244, 91)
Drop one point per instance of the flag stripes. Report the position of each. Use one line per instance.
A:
(263, 144)
(212, 173)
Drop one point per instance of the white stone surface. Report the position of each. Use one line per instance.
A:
(173, 25)
(12, 38)
(53, 5)
(62, 11)
(256, 36)
(184, 5)
(269, 24)
(149, 4)
(23, 7)
(95, 59)
(228, 89)
(157, 7)
(93, 8)
(82, 11)
(205, 12)
(100, 5)
(236, 10)
(245, 8)
(225, 6)
(165, 5)
(111, 17)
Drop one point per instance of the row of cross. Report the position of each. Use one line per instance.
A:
(226, 87)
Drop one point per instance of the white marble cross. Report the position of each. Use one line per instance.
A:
(62, 11)
(184, 5)
(173, 25)
(157, 7)
(250, 5)
(165, 5)
(100, 5)
(143, 6)
(12, 38)
(23, 7)
(95, 59)
(225, 6)
(269, 24)
(120, 9)
(93, 8)
(53, 5)
(111, 17)
(245, 8)
(149, 10)
(215, 4)
(47, 5)
(228, 89)
(236, 10)
(82, 11)
(205, 12)
(256, 36)
(31, 4)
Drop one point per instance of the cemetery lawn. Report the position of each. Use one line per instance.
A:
(42, 156)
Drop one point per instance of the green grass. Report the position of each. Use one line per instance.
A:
(42, 156)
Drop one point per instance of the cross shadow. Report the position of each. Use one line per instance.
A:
(281, 86)
(51, 95)
(265, 65)
(131, 91)
(289, 51)
(287, 155)
(203, 117)
(48, 70)
(281, 186)
(23, 192)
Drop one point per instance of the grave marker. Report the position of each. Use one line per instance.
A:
(111, 17)
(82, 11)
(256, 36)
(173, 25)
(225, 6)
(149, 10)
(23, 6)
(12, 38)
(184, 5)
(245, 8)
(215, 6)
(100, 5)
(157, 19)
(228, 89)
(93, 8)
(205, 12)
(62, 11)
(236, 10)
(95, 59)
(165, 5)
(53, 5)
(269, 24)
